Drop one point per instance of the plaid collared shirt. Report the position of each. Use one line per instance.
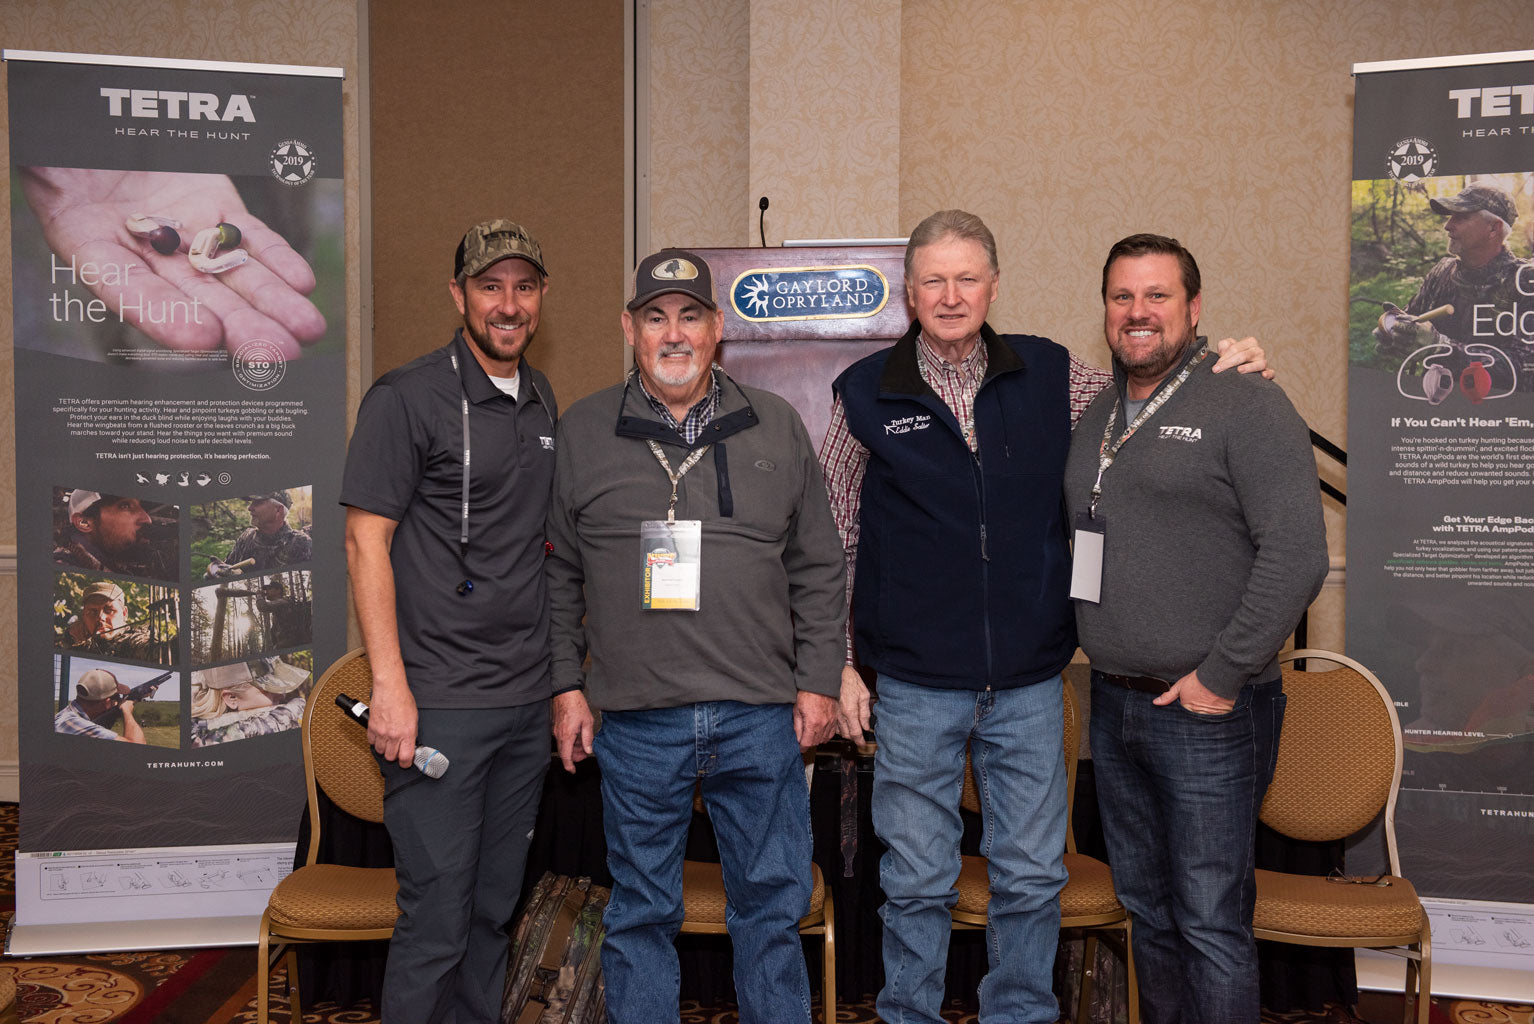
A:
(698, 417)
(72, 721)
(843, 458)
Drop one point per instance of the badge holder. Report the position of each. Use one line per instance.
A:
(671, 557)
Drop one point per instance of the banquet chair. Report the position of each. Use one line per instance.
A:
(330, 902)
(1339, 764)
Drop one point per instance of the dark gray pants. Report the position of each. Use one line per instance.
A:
(460, 848)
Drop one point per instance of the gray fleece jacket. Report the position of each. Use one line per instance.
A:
(1214, 540)
(771, 614)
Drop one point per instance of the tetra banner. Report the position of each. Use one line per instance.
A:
(1440, 587)
(178, 276)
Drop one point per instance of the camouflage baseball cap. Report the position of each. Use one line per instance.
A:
(1477, 197)
(280, 497)
(493, 241)
(110, 591)
(97, 684)
(672, 270)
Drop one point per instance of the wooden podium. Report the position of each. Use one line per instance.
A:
(794, 318)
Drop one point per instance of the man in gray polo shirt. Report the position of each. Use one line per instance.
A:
(447, 573)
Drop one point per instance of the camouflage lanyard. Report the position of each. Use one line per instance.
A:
(675, 476)
(1107, 452)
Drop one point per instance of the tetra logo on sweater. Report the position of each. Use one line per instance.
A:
(1189, 434)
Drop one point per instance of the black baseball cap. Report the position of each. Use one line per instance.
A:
(673, 270)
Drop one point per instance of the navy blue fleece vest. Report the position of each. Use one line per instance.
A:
(963, 568)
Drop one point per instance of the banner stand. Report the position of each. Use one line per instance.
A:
(1440, 597)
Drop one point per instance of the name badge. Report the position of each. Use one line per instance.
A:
(1087, 558)
(671, 559)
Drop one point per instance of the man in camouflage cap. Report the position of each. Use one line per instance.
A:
(269, 541)
(447, 485)
(1480, 278)
(102, 627)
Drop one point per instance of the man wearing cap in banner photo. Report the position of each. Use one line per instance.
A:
(101, 627)
(1479, 278)
(691, 533)
(95, 691)
(269, 543)
(111, 533)
(447, 487)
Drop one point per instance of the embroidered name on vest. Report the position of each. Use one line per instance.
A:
(906, 424)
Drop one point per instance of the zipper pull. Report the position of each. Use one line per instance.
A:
(985, 555)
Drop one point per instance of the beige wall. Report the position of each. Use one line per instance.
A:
(1068, 125)
(305, 32)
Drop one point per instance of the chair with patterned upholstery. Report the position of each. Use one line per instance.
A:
(1339, 764)
(704, 904)
(1088, 901)
(330, 902)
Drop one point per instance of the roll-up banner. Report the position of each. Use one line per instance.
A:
(178, 275)
(1440, 595)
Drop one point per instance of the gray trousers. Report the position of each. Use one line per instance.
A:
(460, 848)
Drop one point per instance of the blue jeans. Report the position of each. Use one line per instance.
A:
(1016, 741)
(753, 785)
(1179, 794)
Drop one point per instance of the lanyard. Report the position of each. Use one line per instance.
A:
(675, 476)
(463, 521)
(1106, 452)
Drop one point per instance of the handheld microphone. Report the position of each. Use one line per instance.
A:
(761, 220)
(429, 761)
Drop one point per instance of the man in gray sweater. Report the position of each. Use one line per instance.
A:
(694, 556)
(1199, 543)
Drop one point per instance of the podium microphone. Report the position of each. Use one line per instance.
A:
(429, 761)
(761, 220)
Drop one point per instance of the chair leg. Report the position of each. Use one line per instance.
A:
(263, 976)
(1084, 983)
(1424, 975)
(828, 966)
(296, 1009)
(1129, 965)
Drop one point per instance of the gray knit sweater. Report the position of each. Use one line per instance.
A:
(1214, 542)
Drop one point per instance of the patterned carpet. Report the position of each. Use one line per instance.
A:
(219, 987)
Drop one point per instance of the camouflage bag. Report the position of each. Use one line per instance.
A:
(555, 973)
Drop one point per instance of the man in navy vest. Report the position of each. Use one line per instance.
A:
(944, 461)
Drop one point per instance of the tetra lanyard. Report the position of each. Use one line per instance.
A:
(675, 476)
(463, 521)
(1106, 452)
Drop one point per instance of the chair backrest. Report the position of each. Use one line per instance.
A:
(337, 756)
(1339, 755)
(969, 797)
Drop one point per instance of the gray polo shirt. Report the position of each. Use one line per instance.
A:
(488, 648)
